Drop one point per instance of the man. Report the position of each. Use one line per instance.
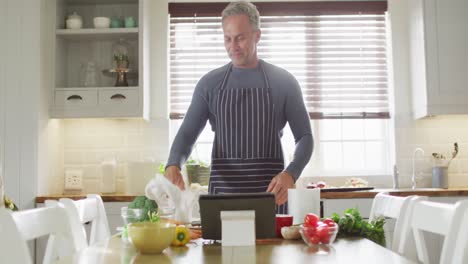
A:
(248, 103)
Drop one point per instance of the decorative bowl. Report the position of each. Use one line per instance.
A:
(321, 234)
(101, 22)
(290, 232)
(151, 238)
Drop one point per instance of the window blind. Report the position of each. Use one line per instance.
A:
(336, 51)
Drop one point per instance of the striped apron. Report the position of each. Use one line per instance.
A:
(247, 151)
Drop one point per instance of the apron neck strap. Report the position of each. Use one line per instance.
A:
(229, 69)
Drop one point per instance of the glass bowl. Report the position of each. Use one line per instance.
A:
(319, 235)
(130, 215)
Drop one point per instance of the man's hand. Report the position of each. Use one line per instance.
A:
(173, 174)
(279, 186)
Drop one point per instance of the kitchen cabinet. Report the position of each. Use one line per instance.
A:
(439, 57)
(80, 60)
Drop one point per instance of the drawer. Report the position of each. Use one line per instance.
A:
(122, 97)
(76, 98)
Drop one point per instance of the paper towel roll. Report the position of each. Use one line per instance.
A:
(302, 202)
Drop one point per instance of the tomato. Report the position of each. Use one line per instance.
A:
(310, 231)
(323, 233)
(314, 239)
(325, 240)
(311, 220)
(329, 222)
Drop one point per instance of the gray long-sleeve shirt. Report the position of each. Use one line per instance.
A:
(286, 95)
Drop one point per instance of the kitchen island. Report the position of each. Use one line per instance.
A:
(344, 250)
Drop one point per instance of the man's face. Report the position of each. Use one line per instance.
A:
(240, 41)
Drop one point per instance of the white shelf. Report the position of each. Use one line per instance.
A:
(85, 34)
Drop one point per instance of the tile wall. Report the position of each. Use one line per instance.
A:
(88, 142)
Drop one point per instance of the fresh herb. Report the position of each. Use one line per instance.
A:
(162, 168)
(352, 224)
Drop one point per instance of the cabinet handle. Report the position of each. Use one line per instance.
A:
(74, 97)
(118, 96)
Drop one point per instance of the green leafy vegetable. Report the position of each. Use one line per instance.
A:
(153, 217)
(148, 206)
(162, 168)
(352, 224)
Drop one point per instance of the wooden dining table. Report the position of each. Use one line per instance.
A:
(343, 250)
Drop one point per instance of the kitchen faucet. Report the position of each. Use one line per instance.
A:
(413, 177)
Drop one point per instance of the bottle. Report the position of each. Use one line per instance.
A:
(89, 74)
(396, 184)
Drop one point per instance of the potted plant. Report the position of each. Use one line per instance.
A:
(4, 200)
(121, 61)
(197, 171)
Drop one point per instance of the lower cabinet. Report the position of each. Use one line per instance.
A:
(338, 206)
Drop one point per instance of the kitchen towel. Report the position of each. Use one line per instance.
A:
(302, 202)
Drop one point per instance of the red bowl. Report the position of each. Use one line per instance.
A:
(321, 234)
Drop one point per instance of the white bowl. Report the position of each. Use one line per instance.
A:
(101, 22)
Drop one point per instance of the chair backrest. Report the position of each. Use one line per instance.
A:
(438, 218)
(394, 207)
(16, 228)
(458, 237)
(407, 246)
(91, 209)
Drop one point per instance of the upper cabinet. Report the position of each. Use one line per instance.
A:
(439, 56)
(98, 58)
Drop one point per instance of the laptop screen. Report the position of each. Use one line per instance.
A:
(263, 204)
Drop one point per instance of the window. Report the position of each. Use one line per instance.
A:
(337, 52)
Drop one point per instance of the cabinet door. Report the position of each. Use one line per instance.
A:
(439, 57)
(452, 43)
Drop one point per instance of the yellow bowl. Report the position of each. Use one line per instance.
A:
(151, 238)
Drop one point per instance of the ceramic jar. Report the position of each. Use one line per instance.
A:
(74, 21)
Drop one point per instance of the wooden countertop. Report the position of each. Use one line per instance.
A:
(277, 251)
(120, 197)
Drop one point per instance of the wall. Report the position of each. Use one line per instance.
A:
(433, 134)
(21, 89)
(87, 142)
(35, 151)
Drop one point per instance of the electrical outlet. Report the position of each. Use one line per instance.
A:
(73, 180)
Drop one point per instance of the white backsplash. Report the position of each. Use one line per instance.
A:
(433, 134)
(88, 142)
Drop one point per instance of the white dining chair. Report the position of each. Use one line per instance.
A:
(17, 228)
(407, 247)
(437, 218)
(458, 240)
(91, 209)
(394, 207)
